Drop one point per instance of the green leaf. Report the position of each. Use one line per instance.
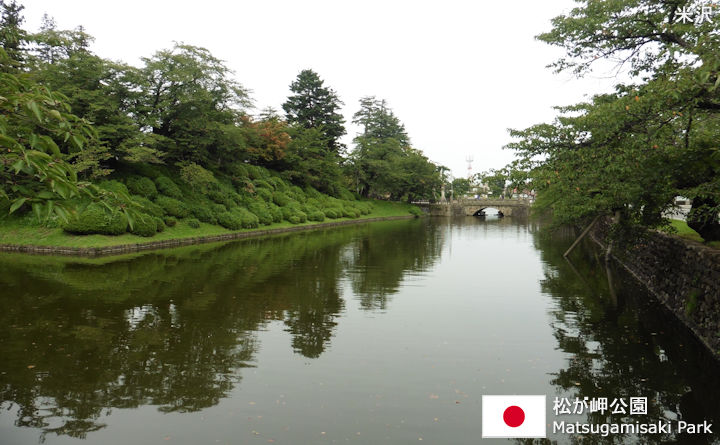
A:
(33, 106)
(17, 204)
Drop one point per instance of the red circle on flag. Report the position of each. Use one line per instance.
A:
(514, 416)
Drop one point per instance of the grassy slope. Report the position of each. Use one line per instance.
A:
(13, 232)
(684, 231)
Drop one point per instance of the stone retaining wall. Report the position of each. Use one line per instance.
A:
(151, 245)
(682, 274)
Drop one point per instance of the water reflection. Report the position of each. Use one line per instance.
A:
(175, 328)
(418, 312)
(621, 344)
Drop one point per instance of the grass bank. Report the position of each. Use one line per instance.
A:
(14, 232)
(682, 230)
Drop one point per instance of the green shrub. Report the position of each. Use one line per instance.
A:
(261, 210)
(297, 193)
(317, 215)
(144, 225)
(216, 196)
(204, 213)
(278, 183)
(261, 183)
(346, 195)
(350, 212)
(415, 211)
(238, 170)
(230, 220)
(97, 219)
(193, 222)
(275, 212)
(294, 219)
(114, 186)
(167, 187)
(247, 218)
(160, 224)
(331, 213)
(140, 185)
(265, 194)
(170, 221)
(256, 172)
(281, 199)
(172, 206)
(196, 176)
(148, 206)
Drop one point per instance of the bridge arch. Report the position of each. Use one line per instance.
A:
(483, 211)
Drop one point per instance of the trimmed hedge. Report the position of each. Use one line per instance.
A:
(265, 194)
(148, 206)
(317, 215)
(203, 213)
(192, 222)
(331, 213)
(172, 206)
(170, 221)
(262, 212)
(97, 219)
(160, 224)
(144, 225)
(275, 212)
(281, 199)
(230, 220)
(247, 218)
(140, 185)
(261, 183)
(167, 187)
(278, 183)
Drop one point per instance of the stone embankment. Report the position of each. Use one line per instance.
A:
(682, 274)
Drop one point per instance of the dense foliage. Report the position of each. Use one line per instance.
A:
(631, 152)
(86, 140)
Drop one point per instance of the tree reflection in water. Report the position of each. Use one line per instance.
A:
(175, 328)
(624, 344)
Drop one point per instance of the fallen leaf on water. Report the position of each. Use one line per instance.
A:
(435, 419)
(434, 396)
(251, 403)
(31, 366)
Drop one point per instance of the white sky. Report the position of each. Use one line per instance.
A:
(457, 73)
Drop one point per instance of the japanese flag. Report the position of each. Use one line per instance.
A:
(513, 416)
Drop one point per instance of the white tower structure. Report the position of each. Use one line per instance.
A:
(469, 161)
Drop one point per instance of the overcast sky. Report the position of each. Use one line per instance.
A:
(456, 73)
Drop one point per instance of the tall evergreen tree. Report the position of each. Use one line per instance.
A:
(313, 105)
(11, 35)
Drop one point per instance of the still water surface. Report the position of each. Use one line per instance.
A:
(378, 333)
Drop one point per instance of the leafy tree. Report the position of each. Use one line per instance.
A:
(190, 102)
(495, 180)
(383, 163)
(308, 162)
(461, 187)
(33, 171)
(313, 105)
(630, 152)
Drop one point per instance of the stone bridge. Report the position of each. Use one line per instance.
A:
(470, 207)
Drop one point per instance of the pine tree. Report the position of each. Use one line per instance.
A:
(316, 106)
